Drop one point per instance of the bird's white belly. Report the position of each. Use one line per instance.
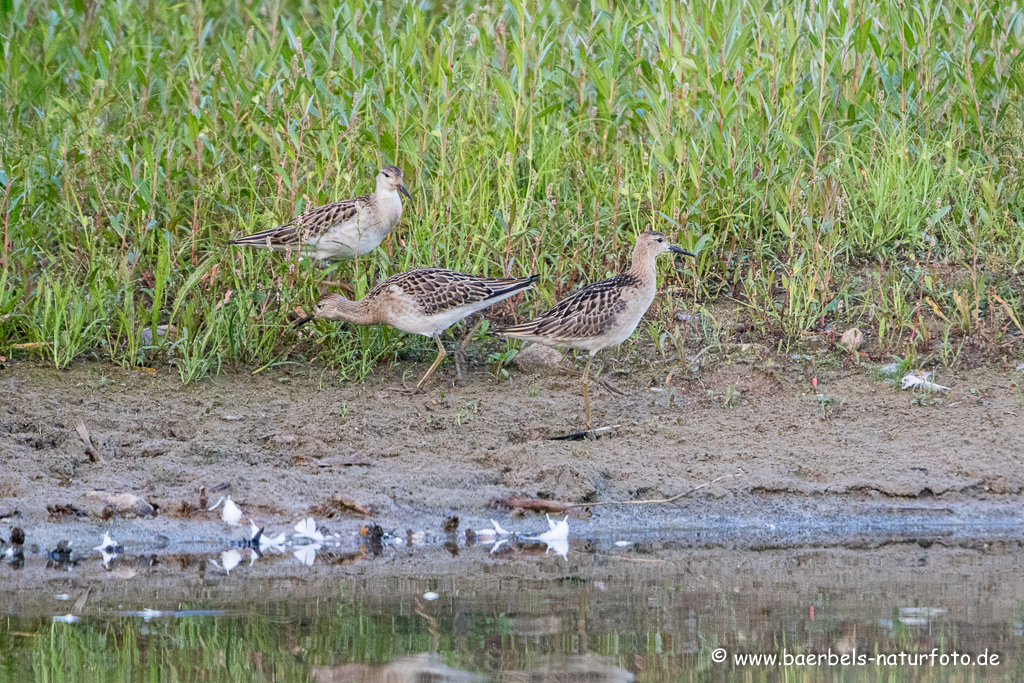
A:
(356, 237)
(430, 325)
(346, 241)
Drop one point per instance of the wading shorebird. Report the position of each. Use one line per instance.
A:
(426, 301)
(603, 314)
(340, 230)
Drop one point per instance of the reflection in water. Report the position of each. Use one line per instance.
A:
(571, 669)
(653, 615)
(416, 669)
(429, 668)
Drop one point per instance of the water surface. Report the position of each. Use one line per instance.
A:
(644, 612)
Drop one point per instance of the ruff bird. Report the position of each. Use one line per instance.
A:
(426, 301)
(603, 314)
(340, 230)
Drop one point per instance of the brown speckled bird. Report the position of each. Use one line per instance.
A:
(426, 301)
(340, 230)
(602, 314)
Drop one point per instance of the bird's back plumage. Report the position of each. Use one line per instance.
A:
(312, 224)
(339, 230)
(587, 312)
(437, 290)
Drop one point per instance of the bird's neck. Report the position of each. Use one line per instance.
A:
(389, 201)
(356, 312)
(385, 192)
(642, 266)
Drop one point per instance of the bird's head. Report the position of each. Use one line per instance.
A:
(654, 243)
(390, 179)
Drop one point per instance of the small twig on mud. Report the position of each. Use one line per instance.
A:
(612, 389)
(659, 500)
(90, 450)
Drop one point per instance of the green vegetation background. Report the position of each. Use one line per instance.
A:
(832, 165)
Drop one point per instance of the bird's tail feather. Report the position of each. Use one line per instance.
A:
(270, 237)
(514, 285)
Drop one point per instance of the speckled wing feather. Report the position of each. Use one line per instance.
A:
(310, 225)
(437, 290)
(587, 312)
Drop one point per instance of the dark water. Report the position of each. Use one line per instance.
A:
(650, 612)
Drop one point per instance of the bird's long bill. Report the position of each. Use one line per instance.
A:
(299, 323)
(679, 250)
(401, 188)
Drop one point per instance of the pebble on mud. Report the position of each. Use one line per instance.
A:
(538, 359)
(122, 504)
(161, 331)
(852, 339)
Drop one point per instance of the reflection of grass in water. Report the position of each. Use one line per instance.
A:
(282, 642)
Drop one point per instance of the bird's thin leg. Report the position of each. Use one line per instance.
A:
(460, 350)
(586, 396)
(441, 354)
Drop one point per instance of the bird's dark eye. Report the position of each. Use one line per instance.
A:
(660, 239)
(386, 175)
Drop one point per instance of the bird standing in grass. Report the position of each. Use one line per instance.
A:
(340, 230)
(602, 314)
(426, 301)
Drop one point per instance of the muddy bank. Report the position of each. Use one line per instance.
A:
(849, 440)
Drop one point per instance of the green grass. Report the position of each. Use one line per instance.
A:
(832, 164)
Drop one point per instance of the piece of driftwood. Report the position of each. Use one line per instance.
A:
(531, 504)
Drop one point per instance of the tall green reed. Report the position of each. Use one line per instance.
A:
(795, 143)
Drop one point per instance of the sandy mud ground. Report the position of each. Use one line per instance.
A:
(808, 465)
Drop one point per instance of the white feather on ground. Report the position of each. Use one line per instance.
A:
(107, 543)
(274, 543)
(556, 538)
(232, 514)
(921, 381)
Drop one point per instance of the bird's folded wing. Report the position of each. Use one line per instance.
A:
(310, 225)
(437, 290)
(586, 312)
